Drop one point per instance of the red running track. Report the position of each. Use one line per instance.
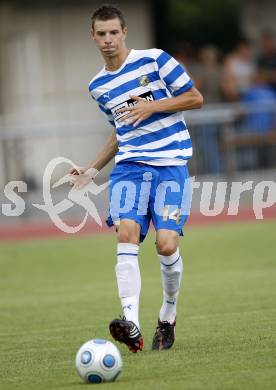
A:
(27, 231)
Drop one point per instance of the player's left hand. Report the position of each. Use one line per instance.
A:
(139, 112)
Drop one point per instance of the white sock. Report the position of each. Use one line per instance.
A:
(171, 273)
(129, 280)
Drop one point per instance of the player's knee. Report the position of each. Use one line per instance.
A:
(129, 237)
(129, 232)
(166, 247)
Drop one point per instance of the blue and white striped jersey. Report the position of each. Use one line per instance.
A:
(163, 138)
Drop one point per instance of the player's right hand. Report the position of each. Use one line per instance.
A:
(81, 177)
(76, 170)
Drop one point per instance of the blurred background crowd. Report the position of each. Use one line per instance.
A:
(247, 75)
(48, 58)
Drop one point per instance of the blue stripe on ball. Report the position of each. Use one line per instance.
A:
(109, 361)
(86, 357)
(99, 341)
(93, 378)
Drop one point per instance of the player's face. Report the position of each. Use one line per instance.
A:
(109, 36)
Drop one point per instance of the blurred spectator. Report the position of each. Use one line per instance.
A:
(261, 99)
(267, 58)
(260, 118)
(238, 70)
(185, 54)
(207, 77)
(208, 74)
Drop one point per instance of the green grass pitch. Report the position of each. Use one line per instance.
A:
(57, 294)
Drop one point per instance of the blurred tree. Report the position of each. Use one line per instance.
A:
(198, 22)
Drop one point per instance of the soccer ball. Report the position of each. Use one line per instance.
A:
(98, 361)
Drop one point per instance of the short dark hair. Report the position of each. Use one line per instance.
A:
(108, 12)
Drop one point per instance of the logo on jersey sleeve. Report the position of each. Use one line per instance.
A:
(147, 96)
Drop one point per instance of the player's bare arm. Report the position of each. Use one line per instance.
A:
(83, 175)
(189, 100)
(106, 153)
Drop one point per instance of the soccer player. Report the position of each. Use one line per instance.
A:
(143, 94)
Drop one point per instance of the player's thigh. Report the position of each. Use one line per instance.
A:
(167, 241)
(129, 231)
(128, 202)
(167, 202)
